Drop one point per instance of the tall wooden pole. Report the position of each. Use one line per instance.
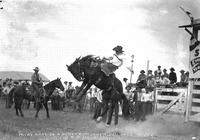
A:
(147, 66)
(132, 60)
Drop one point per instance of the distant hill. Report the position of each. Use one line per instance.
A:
(19, 75)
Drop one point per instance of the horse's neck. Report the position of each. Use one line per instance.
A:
(49, 88)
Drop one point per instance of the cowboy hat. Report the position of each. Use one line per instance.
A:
(142, 71)
(36, 69)
(182, 71)
(118, 49)
(172, 69)
(128, 86)
(125, 79)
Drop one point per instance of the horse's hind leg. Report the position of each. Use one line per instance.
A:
(16, 111)
(20, 109)
(116, 113)
(110, 114)
(47, 109)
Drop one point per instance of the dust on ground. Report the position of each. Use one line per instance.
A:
(73, 125)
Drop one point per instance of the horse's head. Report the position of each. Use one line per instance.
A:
(75, 69)
(58, 84)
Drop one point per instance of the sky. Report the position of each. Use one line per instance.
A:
(51, 34)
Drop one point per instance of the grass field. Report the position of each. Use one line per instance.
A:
(70, 125)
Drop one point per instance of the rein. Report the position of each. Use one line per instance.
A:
(81, 72)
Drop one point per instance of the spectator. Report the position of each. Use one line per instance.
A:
(159, 71)
(92, 98)
(150, 79)
(128, 92)
(65, 85)
(6, 92)
(187, 77)
(98, 104)
(70, 86)
(157, 77)
(62, 99)
(164, 80)
(183, 76)
(55, 100)
(172, 76)
(125, 81)
(142, 79)
(165, 74)
(138, 104)
(183, 79)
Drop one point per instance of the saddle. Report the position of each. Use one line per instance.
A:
(106, 67)
(38, 94)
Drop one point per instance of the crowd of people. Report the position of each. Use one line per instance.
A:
(140, 99)
(163, 78)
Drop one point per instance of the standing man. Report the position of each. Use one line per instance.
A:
(159, 71)
(183, 78)
(172, 76)
(6, 92)
(36, 84)
(142, 79)
(165, 74)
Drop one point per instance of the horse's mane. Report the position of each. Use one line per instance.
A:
(85, 58)
(50, 83)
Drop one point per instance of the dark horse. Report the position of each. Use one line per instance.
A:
(19, 93)
(112, 88)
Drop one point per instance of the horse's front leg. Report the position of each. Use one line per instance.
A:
(47, 109)
(81, 87)
(20, 110)
(37, 109)
(16, 110)
(84, 91)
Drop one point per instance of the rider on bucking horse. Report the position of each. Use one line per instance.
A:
(111, 64)
(37, 85)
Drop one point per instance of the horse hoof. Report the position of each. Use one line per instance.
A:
(99, 119)
(107, 125)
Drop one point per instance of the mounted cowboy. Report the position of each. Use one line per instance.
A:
(37, 85)
(114, 62)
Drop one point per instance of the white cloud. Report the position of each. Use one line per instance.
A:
(59, 31)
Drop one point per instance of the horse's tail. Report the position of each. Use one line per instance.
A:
(125, 106)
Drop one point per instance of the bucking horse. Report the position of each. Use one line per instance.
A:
(89, 75)
(19, 93)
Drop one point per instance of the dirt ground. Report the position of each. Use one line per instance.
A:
(68, 125)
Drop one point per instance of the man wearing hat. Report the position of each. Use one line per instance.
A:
(172, 76)
(165, 74)
(142, 79)
(6, 92)
(125, 81)
(183, 78)
(113, 62)
(36, 84)
(159, 71)
(150, 79)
